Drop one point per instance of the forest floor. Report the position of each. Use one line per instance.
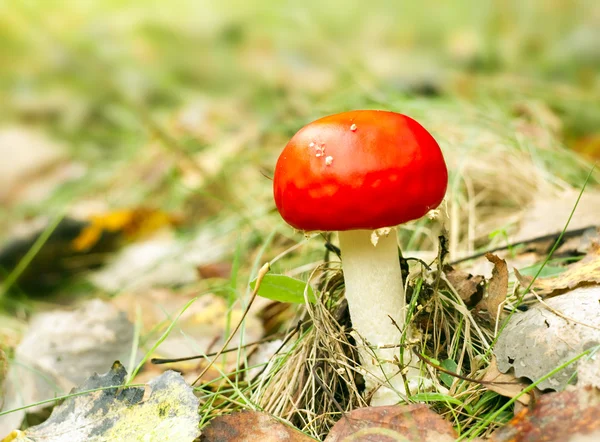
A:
(139, 144)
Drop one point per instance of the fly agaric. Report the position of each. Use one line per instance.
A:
(362, 173)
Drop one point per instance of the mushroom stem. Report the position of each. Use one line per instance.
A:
(375, 293)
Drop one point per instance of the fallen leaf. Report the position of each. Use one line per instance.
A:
(556, 417)
(76, 245)
(61, 349)
(74, 344)
(411, 423)
(524, 280)
(497, 287)
(250, 426)
(588, 371)
(130, 224)
(168, 410)
(504, 384)
(543, 338)
(468, 287)
(215, 270)
(586, 271)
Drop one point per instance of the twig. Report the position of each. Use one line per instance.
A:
(456, 375)
(158, 361)
(567, 234)
(327, 391)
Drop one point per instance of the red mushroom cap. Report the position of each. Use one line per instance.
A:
(359, 170)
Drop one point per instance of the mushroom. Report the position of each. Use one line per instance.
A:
(362, 173)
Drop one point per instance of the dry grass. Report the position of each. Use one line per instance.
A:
(312, 380)
(315, 378)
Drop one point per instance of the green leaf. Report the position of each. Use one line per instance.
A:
(547, 271)
(449, 365)
(284, 289)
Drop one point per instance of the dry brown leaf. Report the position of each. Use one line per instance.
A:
(588, 372)
(497, 287)
(504, 384)
(250, 426)
(524, 280)
(586, 271)
(468, 287)
(219, 269)
(556, 417)
(410, 423)
(60, 350)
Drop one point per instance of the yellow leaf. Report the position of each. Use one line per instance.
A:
(132, 224)
(586, 271)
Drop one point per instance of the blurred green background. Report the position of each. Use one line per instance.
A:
(166, 103)
(71, 64)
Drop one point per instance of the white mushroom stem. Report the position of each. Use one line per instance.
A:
(375, 293)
